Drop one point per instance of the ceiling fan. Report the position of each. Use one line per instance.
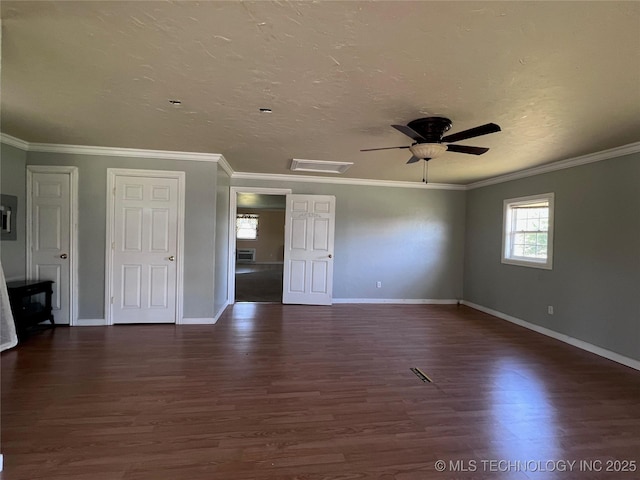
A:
(428, 134)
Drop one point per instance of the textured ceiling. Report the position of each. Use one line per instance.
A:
(561, 78)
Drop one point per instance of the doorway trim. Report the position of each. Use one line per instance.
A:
(233, 211)
(112, 173)
(73, 229)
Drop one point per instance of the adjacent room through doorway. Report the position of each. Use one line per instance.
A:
(259, 247)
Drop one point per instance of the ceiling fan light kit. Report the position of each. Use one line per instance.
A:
(427, 151)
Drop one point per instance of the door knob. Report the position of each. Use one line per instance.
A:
(172, 258)
(330, 256)
(63, 256)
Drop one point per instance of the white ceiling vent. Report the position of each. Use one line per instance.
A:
(324, 166)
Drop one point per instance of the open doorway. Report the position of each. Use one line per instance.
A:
(257, 244)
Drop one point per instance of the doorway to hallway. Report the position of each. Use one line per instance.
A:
(258, 244)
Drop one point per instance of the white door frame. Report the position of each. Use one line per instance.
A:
(233, 211)
(112, 173)
(73, 229)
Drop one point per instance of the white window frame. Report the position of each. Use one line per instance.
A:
(255, 216)
(507, 233)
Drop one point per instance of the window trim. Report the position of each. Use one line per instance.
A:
(546, 264)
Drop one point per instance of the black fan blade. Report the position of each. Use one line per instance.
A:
(409, 132)
(383, 148)
(415, 159)
(472, 132)
(467, 149)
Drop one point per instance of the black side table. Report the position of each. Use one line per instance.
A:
(30, 303)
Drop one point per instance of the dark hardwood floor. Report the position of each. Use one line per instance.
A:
(259, 283)
(316, 393)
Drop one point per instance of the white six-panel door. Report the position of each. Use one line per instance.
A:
(144, 250)
(50, 252)
(308, 253)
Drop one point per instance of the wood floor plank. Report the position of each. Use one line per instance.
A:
(312, 393)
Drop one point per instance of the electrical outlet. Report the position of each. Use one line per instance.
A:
(378, 284)
(550, 309)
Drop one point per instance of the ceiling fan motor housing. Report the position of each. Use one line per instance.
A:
(432, 129)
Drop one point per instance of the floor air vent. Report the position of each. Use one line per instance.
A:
(421, 375)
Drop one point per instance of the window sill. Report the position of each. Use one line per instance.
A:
(528, 263)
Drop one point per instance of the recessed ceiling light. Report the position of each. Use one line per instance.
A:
(265, 110)
(176, 103)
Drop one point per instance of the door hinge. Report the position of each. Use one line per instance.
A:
(113, 245)
(111, 300)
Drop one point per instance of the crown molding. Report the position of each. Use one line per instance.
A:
(560, 165)
(225, 165)
(114, 151)
(344, 181)
(123, 152)
(219, 158)
(14, 142)
(213, 157)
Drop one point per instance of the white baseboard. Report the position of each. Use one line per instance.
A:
(616, 357)
(101, 322)
(90, 322)
(221, 310)
(198, 321)
(206, 321)
(408, 301)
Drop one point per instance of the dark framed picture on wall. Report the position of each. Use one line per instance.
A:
(8, 211)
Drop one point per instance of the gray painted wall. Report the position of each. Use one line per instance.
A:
(595, 282)
(410, 239)
(221, 291)
(200, 204)
(417, 242)
(13, 182)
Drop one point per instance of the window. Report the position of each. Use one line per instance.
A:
(247, 226)
(528, 231)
